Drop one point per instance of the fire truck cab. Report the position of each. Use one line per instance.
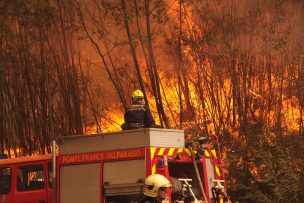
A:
(111, 168)
(26, 180)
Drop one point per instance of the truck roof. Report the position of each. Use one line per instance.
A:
(126, 139)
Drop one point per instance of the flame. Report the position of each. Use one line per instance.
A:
(210, 109)
(111, 121)
(114, 121)
(290, 106)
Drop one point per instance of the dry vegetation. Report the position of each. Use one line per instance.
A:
(227, 69)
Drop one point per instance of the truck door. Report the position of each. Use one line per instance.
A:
(5, 184)
(123, 181)
(30, 184)
(80, 183)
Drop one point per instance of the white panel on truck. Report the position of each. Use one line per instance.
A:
(127, 139)
(211, 175)
(80, 183)
(121, 177)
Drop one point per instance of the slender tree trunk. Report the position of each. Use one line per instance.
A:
(102, 56)
(234, 91)
(117, 81)
(300, 87)
(133, 51)
(279, 108)
(158, 98)
(179, 66)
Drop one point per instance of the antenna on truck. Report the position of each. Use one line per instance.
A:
(54, 170)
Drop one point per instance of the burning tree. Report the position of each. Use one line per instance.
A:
(231, 70)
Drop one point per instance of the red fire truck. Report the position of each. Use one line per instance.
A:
(111, 168)
(26, 179)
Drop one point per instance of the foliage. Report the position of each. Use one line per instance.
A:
(264, 171)
(231, 70)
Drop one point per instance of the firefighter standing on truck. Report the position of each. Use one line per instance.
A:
(155, 189)
(138, 114)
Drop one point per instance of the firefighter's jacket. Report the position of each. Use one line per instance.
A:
(138, 116)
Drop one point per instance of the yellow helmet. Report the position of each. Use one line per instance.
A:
(137, 94)
(153, 183)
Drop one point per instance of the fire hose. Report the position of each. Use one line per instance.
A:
(197, 174)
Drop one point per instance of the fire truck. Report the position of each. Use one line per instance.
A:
(111, 168)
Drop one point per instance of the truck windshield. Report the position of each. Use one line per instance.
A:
(5, 180)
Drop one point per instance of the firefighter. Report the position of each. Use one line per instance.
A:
(138, 114)
(155, 189)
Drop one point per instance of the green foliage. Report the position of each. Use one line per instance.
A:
(264, 171)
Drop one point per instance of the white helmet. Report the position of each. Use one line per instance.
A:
(153, 183)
